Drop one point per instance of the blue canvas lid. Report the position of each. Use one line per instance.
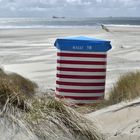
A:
(82, 43)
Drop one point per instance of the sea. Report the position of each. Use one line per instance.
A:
(63, 22)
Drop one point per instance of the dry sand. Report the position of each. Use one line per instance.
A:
(30, 52)
(119, 122)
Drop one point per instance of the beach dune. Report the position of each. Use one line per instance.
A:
(31, 53)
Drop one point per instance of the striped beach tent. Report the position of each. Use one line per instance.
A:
(81, 69)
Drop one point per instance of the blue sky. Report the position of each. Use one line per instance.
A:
(69, 8)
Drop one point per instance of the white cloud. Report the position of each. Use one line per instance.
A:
(70, 7)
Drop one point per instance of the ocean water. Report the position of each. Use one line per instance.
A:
(65, 22)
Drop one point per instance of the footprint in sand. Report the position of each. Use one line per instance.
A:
(133, 127)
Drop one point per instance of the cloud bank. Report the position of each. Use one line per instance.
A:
(69, 8)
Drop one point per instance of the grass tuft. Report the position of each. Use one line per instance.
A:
(127, 88)
(46, 118)
(15, 89)
(51, 119)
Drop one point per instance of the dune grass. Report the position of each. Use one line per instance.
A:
(45, 119)
(15, 89)
(51, 119)
(48, 118)
(126, 88)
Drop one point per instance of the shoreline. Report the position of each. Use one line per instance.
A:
(67, 27)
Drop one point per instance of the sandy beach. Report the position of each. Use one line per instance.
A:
(31, 53)
(119, 122)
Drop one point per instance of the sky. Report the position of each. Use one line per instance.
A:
(70, 8)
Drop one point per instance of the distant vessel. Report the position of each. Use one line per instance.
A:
(57, 17)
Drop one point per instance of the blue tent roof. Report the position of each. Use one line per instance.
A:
(82, 43)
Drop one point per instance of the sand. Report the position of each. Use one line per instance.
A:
(30, 52)
(119, 122)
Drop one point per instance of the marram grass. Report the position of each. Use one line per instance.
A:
(126, 88)
(49, 119)
(54, 120)
(15, 89)
(45, 118)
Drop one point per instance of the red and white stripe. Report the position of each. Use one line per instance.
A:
(81, 76)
